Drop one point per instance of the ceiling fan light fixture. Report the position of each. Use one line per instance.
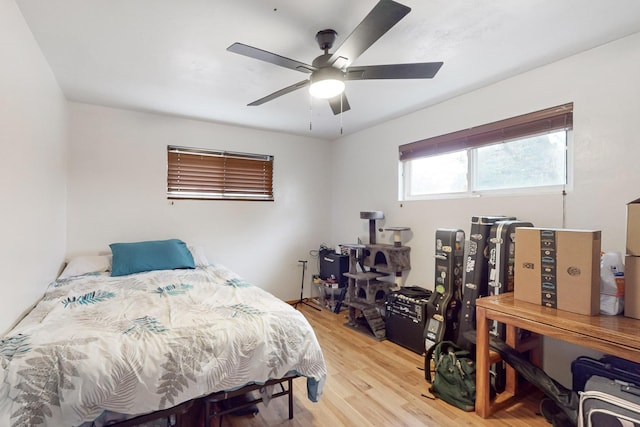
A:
(326, 83)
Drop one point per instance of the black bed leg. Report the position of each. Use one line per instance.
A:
(290, 398)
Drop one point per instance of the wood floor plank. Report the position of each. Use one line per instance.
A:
(374, 383)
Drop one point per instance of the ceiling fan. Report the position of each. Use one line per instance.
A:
(330, 71)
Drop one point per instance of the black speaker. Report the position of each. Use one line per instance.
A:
(333, 265)
(406, 311)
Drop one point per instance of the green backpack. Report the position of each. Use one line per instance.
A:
(454, 378)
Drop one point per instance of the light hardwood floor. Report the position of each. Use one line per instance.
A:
(373, 383)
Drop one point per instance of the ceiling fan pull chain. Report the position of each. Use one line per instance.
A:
(341, 98)
(310, 112)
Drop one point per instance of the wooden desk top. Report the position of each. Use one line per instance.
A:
(616, 335)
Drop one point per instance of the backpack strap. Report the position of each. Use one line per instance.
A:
(427, 362)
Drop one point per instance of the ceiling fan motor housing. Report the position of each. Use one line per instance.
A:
(322, 61)
(327, 73)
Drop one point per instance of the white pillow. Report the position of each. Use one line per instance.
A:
(86, 264)
(199, 257)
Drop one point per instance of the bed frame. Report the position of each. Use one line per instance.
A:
(212, 402)
(208, 408)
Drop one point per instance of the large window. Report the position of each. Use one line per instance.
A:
(218, 175)
(525, 152)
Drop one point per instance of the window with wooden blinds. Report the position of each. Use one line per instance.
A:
(543, 121)
(218, 175)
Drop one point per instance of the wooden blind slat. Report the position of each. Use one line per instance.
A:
(196, 174)
(543, 121)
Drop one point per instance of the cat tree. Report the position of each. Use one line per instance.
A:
(367, 294)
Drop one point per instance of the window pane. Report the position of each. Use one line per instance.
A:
(446, 173)
(530, 162)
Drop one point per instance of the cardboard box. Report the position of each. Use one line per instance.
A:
(632, 287)
(633, 228)
(558, 268)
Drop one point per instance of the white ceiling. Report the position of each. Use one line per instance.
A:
(169, 56)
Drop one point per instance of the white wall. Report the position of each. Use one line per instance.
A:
(33, 141)
(117, 192)
(602, 83)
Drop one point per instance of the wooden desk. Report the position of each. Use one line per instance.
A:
(615, 335)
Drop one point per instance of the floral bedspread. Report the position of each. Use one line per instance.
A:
(148, 341)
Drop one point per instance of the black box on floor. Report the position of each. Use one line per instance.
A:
(333, 265)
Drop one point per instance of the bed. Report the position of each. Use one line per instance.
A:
(100, 343)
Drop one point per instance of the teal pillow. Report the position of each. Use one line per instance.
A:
(129, 258)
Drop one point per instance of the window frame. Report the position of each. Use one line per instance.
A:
(209, 174)
(504, 131)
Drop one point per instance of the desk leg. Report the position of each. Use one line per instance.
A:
(512, 376)
(483, 397)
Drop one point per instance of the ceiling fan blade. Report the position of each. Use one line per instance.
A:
(280, 92)
(382, 17)
(421, 70)
(339, 104)
(272, 58)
